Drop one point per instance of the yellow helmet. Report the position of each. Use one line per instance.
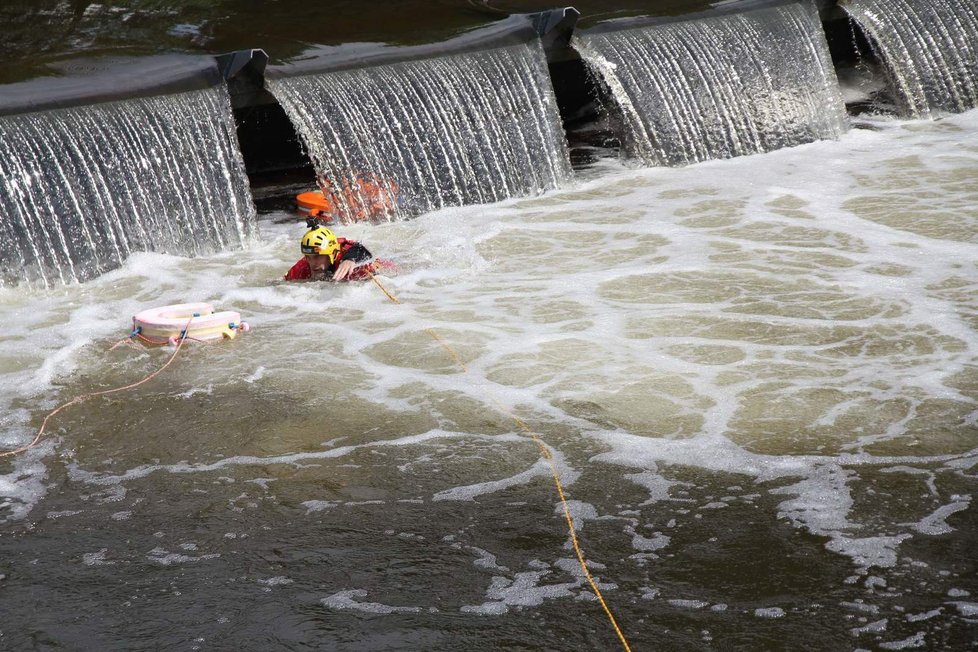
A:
(320, 241)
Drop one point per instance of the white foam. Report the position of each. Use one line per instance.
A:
(646, 544)
(470, 492)
(967, 609)
(918, 640)
(62, 514)
(927, 615)
(165, 558)
(875, 627)
(936, 523)
(293, 459)
(861, 606)
(346, 600)
(96, 558)
(318, 505)
(650, 592)
(525, 590)
(866, 552)
(486, 560)
(580, 512)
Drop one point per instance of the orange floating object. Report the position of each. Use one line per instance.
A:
(364, 199)
(315, 200)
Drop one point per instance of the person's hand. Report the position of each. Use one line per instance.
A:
(343, 270)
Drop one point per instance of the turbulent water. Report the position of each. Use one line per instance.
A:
(454, 130)
(756, 377)
(82, 188)
(928, 48)
(725, 86)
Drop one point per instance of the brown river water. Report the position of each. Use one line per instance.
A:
(756, 378)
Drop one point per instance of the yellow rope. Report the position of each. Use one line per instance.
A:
(553, 472)
(381, 286)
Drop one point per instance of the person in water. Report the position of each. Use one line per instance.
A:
(327, 257)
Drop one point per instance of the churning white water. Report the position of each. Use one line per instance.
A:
(757, 377)
(82, 188)
(459, 129)
(928, 48)
(718, 87)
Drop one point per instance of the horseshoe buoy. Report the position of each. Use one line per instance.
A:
(198, 321)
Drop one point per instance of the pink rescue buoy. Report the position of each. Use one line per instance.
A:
(198, 321)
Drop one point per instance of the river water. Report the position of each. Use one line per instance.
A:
(756, 378)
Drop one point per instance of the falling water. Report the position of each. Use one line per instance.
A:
(929, 48)
(463, 129)
(83, 188)
(720, 87)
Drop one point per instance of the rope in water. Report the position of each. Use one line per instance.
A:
(84, 397)
(545, 452)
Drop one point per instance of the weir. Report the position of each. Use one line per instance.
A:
(83, 187)
(469, 127)
(928, 48)
(154, 153)
(719, 85)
